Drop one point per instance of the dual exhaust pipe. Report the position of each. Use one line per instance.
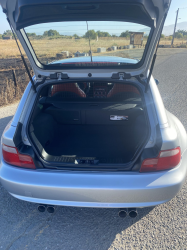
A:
(123, 212)
(50, 208)
(132, 212)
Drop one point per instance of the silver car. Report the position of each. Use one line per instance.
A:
(91, 129)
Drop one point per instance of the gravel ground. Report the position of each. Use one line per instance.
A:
(161, 227)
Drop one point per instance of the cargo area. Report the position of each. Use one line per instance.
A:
(89, 123)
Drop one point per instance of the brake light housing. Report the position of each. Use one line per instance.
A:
(13, 157)
(167, 159)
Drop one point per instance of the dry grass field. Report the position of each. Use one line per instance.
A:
(50, 47)
(47, 47)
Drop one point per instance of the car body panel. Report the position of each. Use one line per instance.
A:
(96, 189)
(21, 105)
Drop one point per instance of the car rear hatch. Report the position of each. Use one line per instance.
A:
(25, 15)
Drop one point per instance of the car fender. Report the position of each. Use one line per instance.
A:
(180, 130)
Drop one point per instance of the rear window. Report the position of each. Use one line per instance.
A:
(92, 43)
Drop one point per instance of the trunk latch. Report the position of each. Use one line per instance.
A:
(87, 161)
(121, 76)
(59, 76)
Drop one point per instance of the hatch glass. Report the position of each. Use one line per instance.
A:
(92, 43)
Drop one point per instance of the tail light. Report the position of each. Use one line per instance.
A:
(13, 157)
(167, 159)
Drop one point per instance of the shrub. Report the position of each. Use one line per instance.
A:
(91, 34)
(178, 35)
(125, 34)
(51, 33)
(103, 34)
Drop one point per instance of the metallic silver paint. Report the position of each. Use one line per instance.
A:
(7, 137)
(159, 106)
(95, 189)
(181, 132)
(21, 106)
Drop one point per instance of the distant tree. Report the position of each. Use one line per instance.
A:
(31, 34)
(162, 36)
(45, 33)
(76, 36)
(39, 37)
(178, 35)
(170, 37)
(184, 32)
(103, 34)
(51, 33)
(114, 35)
(7, 33)
(1, 36)
(91, 34)
(125, 34)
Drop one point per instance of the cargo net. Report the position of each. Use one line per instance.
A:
(91, 90)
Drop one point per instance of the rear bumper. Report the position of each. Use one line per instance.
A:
(93, 189)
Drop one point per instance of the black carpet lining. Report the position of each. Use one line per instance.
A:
(105, 143)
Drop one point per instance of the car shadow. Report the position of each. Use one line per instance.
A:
(68, 227)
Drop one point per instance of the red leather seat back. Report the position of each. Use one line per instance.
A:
(67, 87)
(122, 88)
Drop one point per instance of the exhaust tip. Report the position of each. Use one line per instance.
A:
(41, 208)
(50, 209)
(122, 212)
(132, 212)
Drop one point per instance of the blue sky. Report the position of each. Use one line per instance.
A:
(170, 19)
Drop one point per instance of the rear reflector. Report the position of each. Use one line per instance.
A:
(13, 157)
(167, 159)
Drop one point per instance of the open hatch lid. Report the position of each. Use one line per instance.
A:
(24, 13)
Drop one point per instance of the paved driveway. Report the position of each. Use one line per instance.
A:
(161, 227)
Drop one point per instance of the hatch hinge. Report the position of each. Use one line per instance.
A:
(41, 82)
(59, 76)
(121, 76)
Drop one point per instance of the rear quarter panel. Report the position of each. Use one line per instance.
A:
(176, 125)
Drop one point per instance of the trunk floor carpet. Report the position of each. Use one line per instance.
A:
(108, 144)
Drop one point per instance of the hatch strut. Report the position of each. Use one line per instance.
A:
(154, 58)
(22, 57)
